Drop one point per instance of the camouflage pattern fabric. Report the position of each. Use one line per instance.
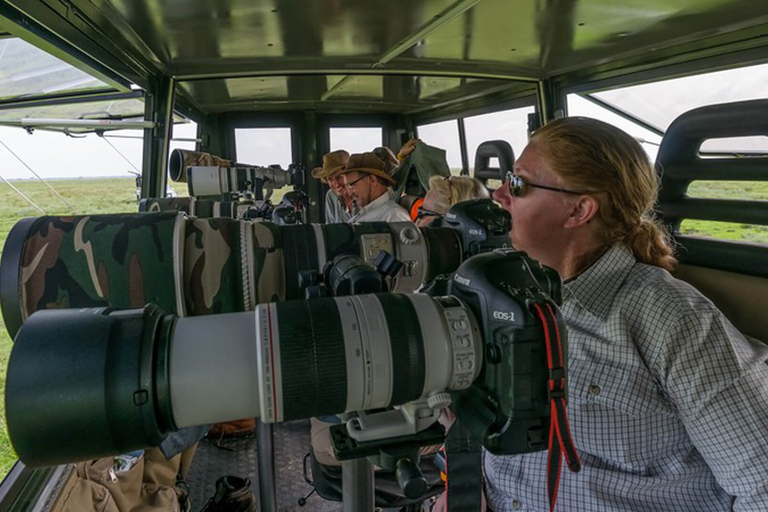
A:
(212, 267)
(268, 265)
(122, 260)
(168, 204)
(129, 260)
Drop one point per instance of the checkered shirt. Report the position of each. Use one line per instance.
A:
(668, 402)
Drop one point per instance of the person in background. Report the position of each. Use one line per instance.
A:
(668, 401)
(407, 148)
(445, 192)
(368, 182)
(338, 201)
(388, 157)
(392, 162)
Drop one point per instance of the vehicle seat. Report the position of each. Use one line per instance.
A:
(733, 275)
(499, 149)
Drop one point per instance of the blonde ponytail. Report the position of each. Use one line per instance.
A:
(650, 243)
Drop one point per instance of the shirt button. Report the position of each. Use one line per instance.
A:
(516, 504)
(594, 389)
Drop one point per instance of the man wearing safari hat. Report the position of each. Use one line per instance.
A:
(369, 184)
(338, 200)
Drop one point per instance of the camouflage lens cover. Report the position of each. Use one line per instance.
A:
(212, 267)
(168, 204)
(122, 260)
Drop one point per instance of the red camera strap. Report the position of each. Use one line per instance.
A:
(560, 441)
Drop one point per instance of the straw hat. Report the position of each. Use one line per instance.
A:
(368, 163)
(333, 162)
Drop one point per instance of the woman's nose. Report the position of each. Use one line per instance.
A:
(501, 195)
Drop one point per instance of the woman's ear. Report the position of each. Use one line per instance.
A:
(583, 210)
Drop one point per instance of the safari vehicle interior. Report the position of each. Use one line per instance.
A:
(458, 74)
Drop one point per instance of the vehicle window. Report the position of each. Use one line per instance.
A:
(752, 233)
(741, 190)
(132, 108)
(26, 70)
(578, 106)
(659, 103)
(735, 190)
(750, 146)
(263, 146)
(356, 140)
(508, 125)
(444, 135)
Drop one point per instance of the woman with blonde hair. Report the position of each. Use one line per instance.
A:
(668, 402)
(445, 192)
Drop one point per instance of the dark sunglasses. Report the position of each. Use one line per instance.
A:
(423, 212)
(517, 186)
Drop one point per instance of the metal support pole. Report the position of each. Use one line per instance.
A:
(310, 156)
(22, 195)
(463, 147)
(551, 102)
(158, 108)
(357, 485)
(265, 453)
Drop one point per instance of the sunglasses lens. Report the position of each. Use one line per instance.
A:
(515, 185)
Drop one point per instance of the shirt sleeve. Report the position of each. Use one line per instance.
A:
(330, 213)
(718, 380)
(398, 214)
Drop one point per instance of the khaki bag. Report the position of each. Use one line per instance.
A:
(148, 486)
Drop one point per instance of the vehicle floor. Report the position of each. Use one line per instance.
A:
(237, 456)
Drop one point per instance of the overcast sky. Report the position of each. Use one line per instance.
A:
(55, 155)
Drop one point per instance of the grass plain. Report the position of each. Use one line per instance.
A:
(111, 195)
(116, 195)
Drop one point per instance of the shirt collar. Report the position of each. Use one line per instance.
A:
(383, 198)
(596, 287)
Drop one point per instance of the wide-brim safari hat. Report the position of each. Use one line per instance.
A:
(368, 163)
(388, 157)
(333, 162)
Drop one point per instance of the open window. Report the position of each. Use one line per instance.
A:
(356, 140)
(264, 146)
(444, 135)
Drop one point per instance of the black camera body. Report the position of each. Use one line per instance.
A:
(292, 209)
(482, 224)
(507, 407)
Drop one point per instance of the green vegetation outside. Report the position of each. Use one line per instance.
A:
(741, 190)
(86, 196)
(114, 195)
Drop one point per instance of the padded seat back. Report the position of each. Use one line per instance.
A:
(732, 274)
(489, 149)
(740, 297)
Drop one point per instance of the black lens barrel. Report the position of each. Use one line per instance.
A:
(10, 276)
(444, 251)
(87, 377)
(312, 357)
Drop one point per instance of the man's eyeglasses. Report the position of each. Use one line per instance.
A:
(351, 184)
(517, 186)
